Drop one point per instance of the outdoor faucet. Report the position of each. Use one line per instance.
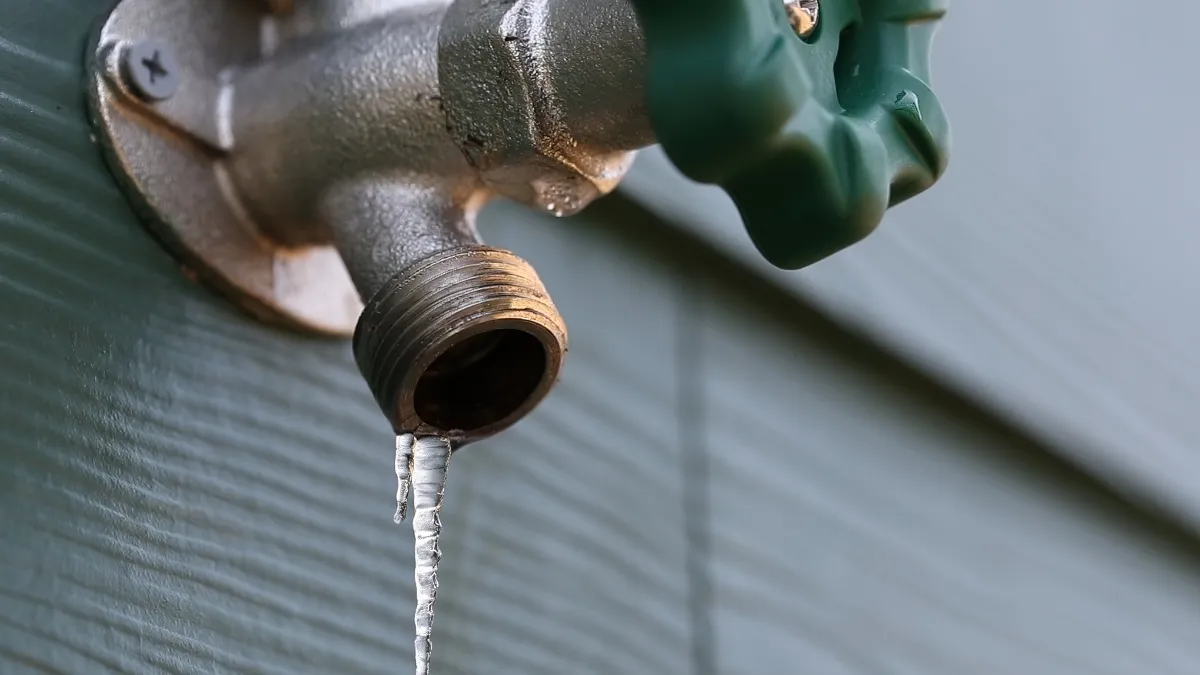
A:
(322, 162)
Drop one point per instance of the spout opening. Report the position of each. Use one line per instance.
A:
(481, 380)
(463, 344)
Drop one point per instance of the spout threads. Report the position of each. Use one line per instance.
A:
(462, 344)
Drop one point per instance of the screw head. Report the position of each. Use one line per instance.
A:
(151, 70)
(804, 16)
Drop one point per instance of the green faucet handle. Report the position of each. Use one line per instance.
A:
(815, 118)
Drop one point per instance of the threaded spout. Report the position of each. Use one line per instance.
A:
(462, 344)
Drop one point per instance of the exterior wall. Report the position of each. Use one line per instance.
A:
(724, 482)
(862, 521)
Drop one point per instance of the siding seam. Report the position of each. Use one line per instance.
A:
(690, 400)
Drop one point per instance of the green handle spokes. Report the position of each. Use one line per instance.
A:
(813, 137)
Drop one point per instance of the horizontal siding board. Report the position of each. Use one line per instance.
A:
(863, 523)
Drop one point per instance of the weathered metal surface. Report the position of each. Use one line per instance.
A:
(545, 97)
(361, 125)
(463, 344)
(269, 153)
(168, 155)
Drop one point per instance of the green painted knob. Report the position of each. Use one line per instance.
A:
(814, 116)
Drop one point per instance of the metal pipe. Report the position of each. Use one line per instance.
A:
(545, 97)
(461, 345)
(386, 131)
(359, 105)
(593, 65)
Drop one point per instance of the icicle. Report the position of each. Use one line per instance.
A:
(404, 467)
(431, 458)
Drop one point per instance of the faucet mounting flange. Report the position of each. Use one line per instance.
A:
(169, 154)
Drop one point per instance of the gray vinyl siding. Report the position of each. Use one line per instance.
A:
(724, 482)
(864, 523)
